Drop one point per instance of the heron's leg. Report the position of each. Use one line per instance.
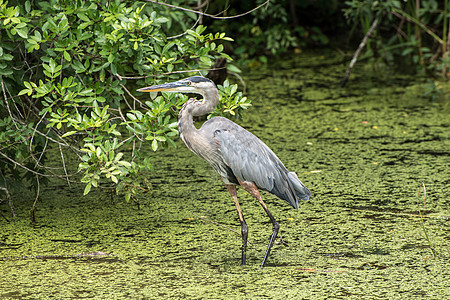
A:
(253, 190)
(244, 229)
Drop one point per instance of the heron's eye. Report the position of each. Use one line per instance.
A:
(188, 83)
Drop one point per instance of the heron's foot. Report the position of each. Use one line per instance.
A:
(244, 231)
(243, 258)
(276, 227)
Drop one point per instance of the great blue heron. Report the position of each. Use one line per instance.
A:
(237, 155)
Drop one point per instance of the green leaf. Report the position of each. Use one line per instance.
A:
(233, 89)
(6, 72)
(27, 6)
(7, 57)
(102, 75)
(192, 32)
(124, 163)
(155, 145)
(161, 20)
(113, 70)
(233, 68)
(172, 142)
(114, 179)
(118, 156)
(23, 32)
(87, 189)
(51, 65)
(200, 28)
(21, 25)
(69, 133)
(25, 91)
(83, 17)
(110, 58)
(206, 60)
(67, 56)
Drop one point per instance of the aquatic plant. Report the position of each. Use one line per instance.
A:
(412, 31)
(430, 244)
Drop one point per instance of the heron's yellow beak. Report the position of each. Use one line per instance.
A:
(166, 87)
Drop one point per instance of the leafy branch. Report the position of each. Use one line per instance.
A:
(63, 97)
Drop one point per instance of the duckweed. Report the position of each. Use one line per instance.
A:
(363, 151)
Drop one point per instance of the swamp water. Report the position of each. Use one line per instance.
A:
(363, 151)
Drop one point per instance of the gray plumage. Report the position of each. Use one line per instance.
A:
(251, 160)
(237, 155)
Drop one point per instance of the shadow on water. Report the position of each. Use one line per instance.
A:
(363, 150)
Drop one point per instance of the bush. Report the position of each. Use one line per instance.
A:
(67, 71)
(412, 32)
(278, 26)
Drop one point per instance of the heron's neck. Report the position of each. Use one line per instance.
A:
(210, 101)
(194, 108)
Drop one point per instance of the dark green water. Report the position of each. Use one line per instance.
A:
(363, 151)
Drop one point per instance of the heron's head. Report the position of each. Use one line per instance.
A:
(194, 84)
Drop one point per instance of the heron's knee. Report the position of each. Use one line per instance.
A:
(276, 226)
(244, 230)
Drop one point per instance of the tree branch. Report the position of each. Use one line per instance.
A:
(358, 51)
(120, 77)
(208, 15)
(399, 14)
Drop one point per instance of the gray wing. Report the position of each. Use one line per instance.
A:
(252, 160)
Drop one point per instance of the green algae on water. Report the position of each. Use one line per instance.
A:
(363, 151)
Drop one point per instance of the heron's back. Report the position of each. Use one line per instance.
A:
(241, 155)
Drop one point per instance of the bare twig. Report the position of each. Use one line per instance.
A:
(401, 214)
(200, 4)
(184, 33)
(33, 208)
(208, 15)
(64, 165)
(430, 244)
(199, 21)
(203, 218)
(400, 14)
(120, 77)
(63, 143)
(215, 223)
(126, 102)
(30, 147)
(121, 115)
(22, 166)
(38, 159)
(131, 95)
(244, 86)
(6, 103)
(358, 51)
(16, 163)
(11, 204)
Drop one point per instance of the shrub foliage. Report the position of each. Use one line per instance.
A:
(68, 72)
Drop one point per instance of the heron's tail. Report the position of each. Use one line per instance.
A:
(290, 188)
(301, 191)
